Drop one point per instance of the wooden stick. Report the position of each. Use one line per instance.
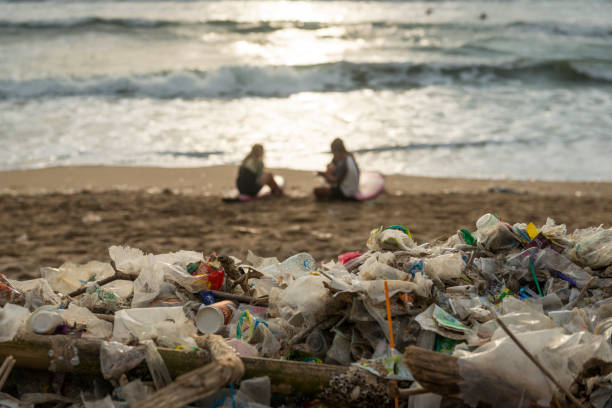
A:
(287, 377)
(5, 370)
(118, 275)
(581, 294)
(535, 360)
(407, 392)
(239, 298)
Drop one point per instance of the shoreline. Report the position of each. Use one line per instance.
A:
(75, 214)
(217, 180)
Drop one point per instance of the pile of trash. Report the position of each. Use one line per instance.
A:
(550, 288)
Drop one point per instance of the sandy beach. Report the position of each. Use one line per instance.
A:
(56, 215)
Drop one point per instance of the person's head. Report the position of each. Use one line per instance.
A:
(338, 149)
(256, 153)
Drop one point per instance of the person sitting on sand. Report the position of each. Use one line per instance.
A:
(251, 175)
(342, 175)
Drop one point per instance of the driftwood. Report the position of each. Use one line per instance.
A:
(5, 370)
(226, 367)
(436, 372)
(117, 276)
(287, 377)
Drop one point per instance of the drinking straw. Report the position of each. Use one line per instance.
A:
(391, 341)
(535, 278)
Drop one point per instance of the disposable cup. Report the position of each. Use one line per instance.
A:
(211, 318)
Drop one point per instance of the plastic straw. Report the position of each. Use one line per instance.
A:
(532, 269)
(391, 341)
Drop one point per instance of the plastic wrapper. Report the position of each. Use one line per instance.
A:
(94, 327)
(168, 326)
(592, 247)
(70, 277)
(429, 320)
(12, 317)
(117, 358)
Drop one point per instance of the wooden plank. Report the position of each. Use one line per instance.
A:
(287, 377)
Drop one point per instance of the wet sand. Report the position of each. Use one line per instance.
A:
(56, 215)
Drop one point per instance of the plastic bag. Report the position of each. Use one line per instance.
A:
(70, 277)
(593, 247)
(37, 292)
(499, 373)
(95, 327)
(445, 267)
(375, 290)
(305, 295)
(390, 239)
(168, 326)
(12, 318)
(147, 287)
(117, 358)
(372, 269)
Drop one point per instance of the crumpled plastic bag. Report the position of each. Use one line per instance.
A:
(375, 290)
(445, 267)
(96, 328)
(12, 318)
(168, 326)
(70, 276)
(373, 269)
(389, 239)
(37, 292)
(592, 247)
(147, 286)
(305, 295)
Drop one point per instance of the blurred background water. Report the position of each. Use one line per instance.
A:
(483, 89)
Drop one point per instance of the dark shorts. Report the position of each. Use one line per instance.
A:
(337, 194)
(247, 182)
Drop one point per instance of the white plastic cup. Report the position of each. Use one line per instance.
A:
(211, 318)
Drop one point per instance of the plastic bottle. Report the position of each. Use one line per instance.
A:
(487, 220)
(295, 266)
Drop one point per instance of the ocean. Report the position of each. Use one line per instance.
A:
(479, 89)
